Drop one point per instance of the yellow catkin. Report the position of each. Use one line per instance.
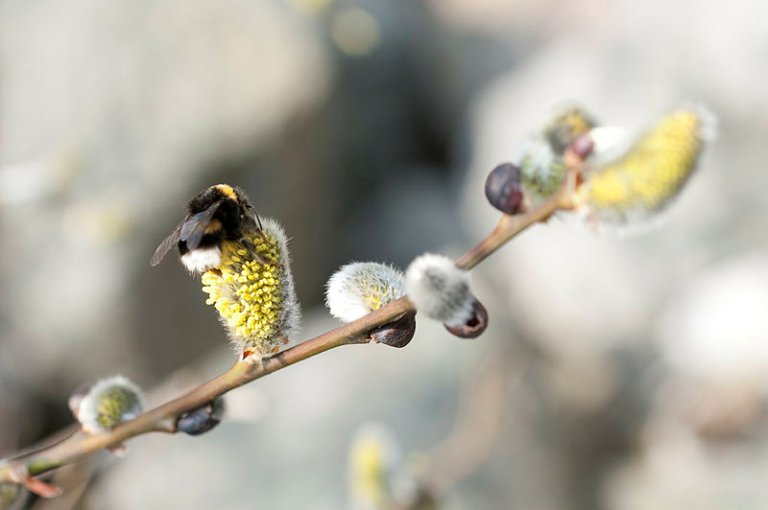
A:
(370, 469)
(248, 292)
(651, 173)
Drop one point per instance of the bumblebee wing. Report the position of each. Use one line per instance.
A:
(193, 228)
(165, 246)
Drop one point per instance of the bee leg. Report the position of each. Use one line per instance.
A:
(252, 249)
(260, 233)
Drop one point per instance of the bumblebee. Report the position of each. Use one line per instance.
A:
(245, 268)
(217, 214)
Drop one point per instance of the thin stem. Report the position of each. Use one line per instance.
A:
(507, 228)
(510, 226)
(160, 419)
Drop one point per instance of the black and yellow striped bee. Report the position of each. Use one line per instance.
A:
(245, 268)
(217, 214)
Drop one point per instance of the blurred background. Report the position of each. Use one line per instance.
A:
(617, 373)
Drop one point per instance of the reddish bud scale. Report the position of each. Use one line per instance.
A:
(398, 333)
(583, 146)
(503, 189)
(475, 326)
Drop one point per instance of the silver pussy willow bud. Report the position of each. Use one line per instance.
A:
(440, 290)
(359, 288)
(106, 404)
(201, 419)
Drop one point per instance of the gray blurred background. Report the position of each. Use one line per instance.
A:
(620, 373)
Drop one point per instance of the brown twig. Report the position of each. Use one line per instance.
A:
(161, 419)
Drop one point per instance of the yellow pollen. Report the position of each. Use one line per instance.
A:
(652, 172)
(248, 294)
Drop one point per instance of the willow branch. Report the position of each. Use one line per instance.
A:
(162, 418)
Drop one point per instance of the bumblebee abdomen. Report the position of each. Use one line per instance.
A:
(201, 249)
(212, 240)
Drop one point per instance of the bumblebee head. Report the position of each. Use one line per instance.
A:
(219, 195)
(216, 214)
(220, 208)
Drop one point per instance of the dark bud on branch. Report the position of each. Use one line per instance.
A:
(201, 420)
(474, 326)
(503, 189)
(398, 333)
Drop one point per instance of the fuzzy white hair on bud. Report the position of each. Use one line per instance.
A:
(608, 142)
(106, 404)
(359, 288)
(291, 315)
(439, 289)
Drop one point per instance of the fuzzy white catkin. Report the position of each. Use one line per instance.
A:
(358, 288)
(439, 290)
(130, 402)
